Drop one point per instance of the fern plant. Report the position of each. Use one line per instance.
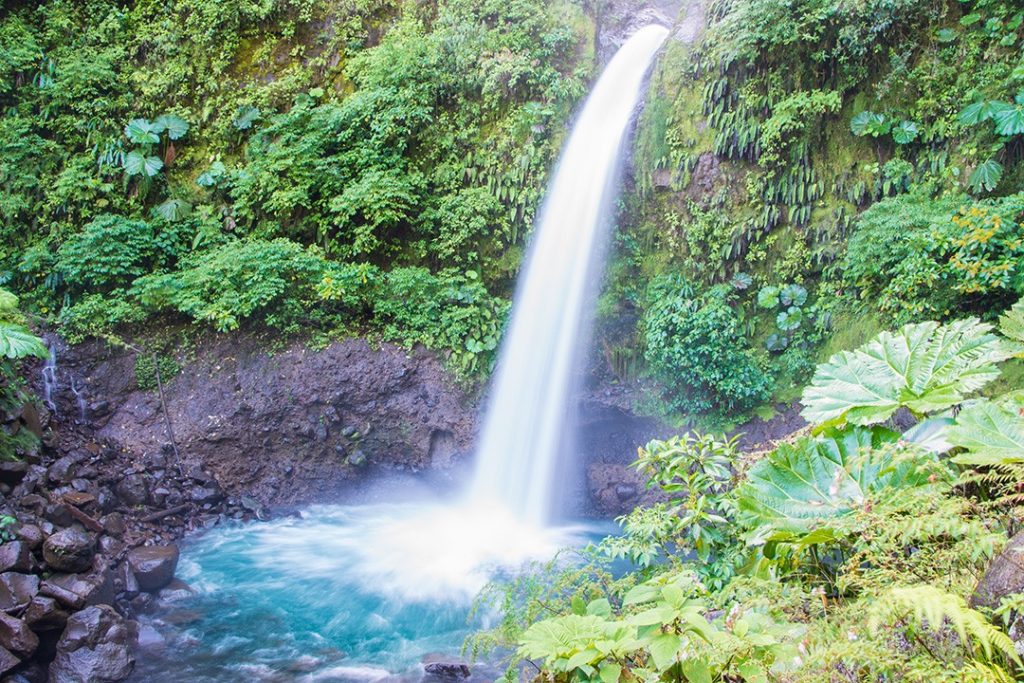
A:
(926, 606)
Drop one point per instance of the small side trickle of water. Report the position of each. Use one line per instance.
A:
(50, 385)
(83, 406)
(525, 422)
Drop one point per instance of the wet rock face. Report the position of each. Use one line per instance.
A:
(290, 428)
(95, 647)
(1004, 576)
(69, 550)
(153, 566)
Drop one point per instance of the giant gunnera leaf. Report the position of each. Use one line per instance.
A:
(991, 432)
(17, 341)
(925, 367)
(800, 486)
(1011, 324)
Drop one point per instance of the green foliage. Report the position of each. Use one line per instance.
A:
(146, 368)
(17, 342)
(925, 367)
(986, 176)
(695, 348)
(236, 281)
(694, 471)
(934, 608)
(802, 486)
(848, 553)
(133, 156)
(112, 251)
(990, 432)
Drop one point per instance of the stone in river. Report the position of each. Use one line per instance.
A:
(153, 565)
(94, 648)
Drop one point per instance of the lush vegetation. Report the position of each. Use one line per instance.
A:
(17, 343)
(309, 165)
(846, 553)
(868, 153)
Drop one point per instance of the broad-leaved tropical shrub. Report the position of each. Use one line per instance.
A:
(696, 349)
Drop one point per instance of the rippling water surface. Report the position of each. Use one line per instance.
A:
(343, 593)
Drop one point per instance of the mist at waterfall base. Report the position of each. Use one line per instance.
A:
(356, 592)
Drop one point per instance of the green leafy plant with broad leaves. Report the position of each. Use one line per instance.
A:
(17, 343)
(799, 487)
(925, 367)
(147, 135)
(695, 472)
(986, 176)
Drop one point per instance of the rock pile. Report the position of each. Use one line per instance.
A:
(87, 538)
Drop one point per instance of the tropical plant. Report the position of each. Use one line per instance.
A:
(800, 487)
(925, 367)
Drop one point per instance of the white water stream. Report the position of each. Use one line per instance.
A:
(539, 357)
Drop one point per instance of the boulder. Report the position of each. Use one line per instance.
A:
(77, 591)
(153, 565)
(94, 648)
(17, 590)
(13, 471)
(16, 636)
(133, 490)
(1004, 576)
(8, 660)
(114, 524)
(446, 671)
(69, 550)
(205, 494)
(30, 534)
(15, 556)
(62, 471)
(176, 590)
(45, 614)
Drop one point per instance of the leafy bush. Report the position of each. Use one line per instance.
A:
(922, 257)
(17, 342)
(111, 251)
(695, 348)
(273, 279)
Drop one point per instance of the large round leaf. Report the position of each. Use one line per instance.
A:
(800, 486)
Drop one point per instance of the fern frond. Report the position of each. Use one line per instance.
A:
(932, 607)
(986, 672)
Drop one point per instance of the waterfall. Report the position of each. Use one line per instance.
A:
(539, 356)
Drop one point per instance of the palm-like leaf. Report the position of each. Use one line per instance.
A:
(142, 132)
(136, 163)
(1009, 119)
(992, 432)
(925, 367)
(986, 176)
(17, 341)
(802, 485)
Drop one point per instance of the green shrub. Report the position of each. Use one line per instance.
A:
(274, 280)
(914, 257)
(111, 251)
(696, 349)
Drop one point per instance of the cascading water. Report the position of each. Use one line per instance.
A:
(389, 582)
(525, 420)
